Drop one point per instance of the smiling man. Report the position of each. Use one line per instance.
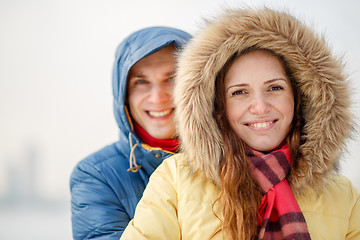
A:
(107, 185)
(150, 84)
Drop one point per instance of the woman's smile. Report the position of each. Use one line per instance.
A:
(261, 126)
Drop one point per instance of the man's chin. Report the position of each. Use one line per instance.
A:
(162, 133)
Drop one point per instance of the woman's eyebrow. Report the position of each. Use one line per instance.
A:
(266, 82)
(275, 79)
(238, 85)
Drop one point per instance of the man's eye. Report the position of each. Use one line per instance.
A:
(140, 82)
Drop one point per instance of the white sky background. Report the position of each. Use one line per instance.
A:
(55, 73)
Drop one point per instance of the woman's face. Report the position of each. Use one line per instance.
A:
(259, 100)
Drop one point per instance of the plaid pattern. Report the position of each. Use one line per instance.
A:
(280, 216)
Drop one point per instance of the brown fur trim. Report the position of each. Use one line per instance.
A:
(319, 75)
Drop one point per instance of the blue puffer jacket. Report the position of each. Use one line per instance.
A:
(103, 193)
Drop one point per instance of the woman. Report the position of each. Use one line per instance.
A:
(263, 115)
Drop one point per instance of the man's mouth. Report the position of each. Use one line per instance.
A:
(157, 114)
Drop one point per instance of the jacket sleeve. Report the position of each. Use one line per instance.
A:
(97, 212)
(354, 220)
(156, 213)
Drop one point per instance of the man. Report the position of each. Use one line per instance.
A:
(107, 185)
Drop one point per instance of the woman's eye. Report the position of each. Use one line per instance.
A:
(238, 92)
(276, 88)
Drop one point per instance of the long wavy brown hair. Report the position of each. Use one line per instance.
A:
(240, 195)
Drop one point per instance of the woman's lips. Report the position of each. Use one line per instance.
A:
(260, 125)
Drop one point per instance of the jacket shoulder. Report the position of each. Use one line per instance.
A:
(177, 199)
(339, 194)
(98, 162)
(334, 212)
(101, 183)
(341, 189)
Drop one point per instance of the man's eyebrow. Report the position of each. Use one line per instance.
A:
(171, 73)
(140, 75)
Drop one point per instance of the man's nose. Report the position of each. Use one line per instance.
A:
(159, 94)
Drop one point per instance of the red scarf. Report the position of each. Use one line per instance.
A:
(165, 144)
(280, 216)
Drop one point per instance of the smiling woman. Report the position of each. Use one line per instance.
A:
(259, 99)
(258, 95)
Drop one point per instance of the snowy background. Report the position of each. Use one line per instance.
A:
(55, 90)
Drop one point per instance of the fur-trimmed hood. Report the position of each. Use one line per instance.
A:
(320, 78)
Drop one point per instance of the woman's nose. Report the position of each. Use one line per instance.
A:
(260, 105)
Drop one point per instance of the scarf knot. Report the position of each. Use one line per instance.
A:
(279, 216)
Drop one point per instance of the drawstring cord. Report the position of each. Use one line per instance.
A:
(132, 158)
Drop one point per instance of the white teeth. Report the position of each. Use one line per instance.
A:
(160, 114)
(260, 125)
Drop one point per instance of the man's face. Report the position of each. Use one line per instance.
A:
(150, 84)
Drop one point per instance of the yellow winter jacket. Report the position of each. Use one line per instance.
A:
(180, 205)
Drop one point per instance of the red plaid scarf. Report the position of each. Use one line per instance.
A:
(280, 216)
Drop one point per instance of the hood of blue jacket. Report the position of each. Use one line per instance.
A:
(138, 45)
